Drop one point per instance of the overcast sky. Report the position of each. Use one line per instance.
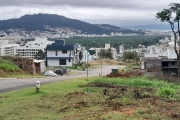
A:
(115, 12)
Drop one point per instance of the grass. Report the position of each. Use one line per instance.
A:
(75, 67)
(8, 66)
(10, 70)
(81, 99)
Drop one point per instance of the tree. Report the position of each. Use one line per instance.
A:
(108, 53)
(102, 53)
(172, 16)
(130, 56)
(40, 55)
(105, 53)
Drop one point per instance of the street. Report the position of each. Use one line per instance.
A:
(7, 85)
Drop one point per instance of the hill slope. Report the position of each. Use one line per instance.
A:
(39, 21)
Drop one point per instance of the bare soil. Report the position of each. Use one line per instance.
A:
(125, 100)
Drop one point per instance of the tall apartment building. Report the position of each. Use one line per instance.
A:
(8, 49)
(28, 52)
(31, 48)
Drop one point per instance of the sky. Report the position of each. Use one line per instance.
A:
(114, 12)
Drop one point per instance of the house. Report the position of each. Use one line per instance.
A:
(61, 54)
(151, 63)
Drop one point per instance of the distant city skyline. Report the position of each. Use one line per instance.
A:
(114, 12)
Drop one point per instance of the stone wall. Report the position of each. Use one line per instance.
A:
(26, 64)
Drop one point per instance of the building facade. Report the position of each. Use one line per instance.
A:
(61, 54)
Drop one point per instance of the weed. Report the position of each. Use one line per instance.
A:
(167, 92)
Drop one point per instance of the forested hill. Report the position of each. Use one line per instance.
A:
(39, 21)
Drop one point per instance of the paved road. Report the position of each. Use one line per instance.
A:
(7, 85)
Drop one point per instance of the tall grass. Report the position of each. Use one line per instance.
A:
(8, 65)
(136, 82)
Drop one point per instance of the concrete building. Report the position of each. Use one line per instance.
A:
(28, 52)
(107, 46)
(161, 58)
(38, 42)
(8, 49)
(31, 48)
(87, 56)
(61, 54)
(121, 49)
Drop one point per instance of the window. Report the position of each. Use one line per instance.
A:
(62, 62)
(64, 51)
(173, 63)
(69, 60)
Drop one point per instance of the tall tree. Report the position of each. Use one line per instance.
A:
(172, 16)
(40, 55)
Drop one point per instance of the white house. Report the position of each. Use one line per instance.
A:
(61, 54)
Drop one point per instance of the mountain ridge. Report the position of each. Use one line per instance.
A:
(39, 21)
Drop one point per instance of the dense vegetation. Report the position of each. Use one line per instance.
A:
(38, 21)
(128, 41)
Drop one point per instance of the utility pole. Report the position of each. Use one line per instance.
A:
(101, 58)
(87, 59)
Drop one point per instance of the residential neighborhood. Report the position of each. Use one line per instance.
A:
(155, 58)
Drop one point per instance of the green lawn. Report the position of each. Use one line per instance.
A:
(96, 98)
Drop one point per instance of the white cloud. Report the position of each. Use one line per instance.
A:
(116, 12)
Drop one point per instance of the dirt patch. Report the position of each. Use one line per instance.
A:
(125, 74)
(74, 94)
(128, 111)
(106, 62)
(122, 99)
(106, 85)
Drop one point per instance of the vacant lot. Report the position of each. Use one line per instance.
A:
(97, 98)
